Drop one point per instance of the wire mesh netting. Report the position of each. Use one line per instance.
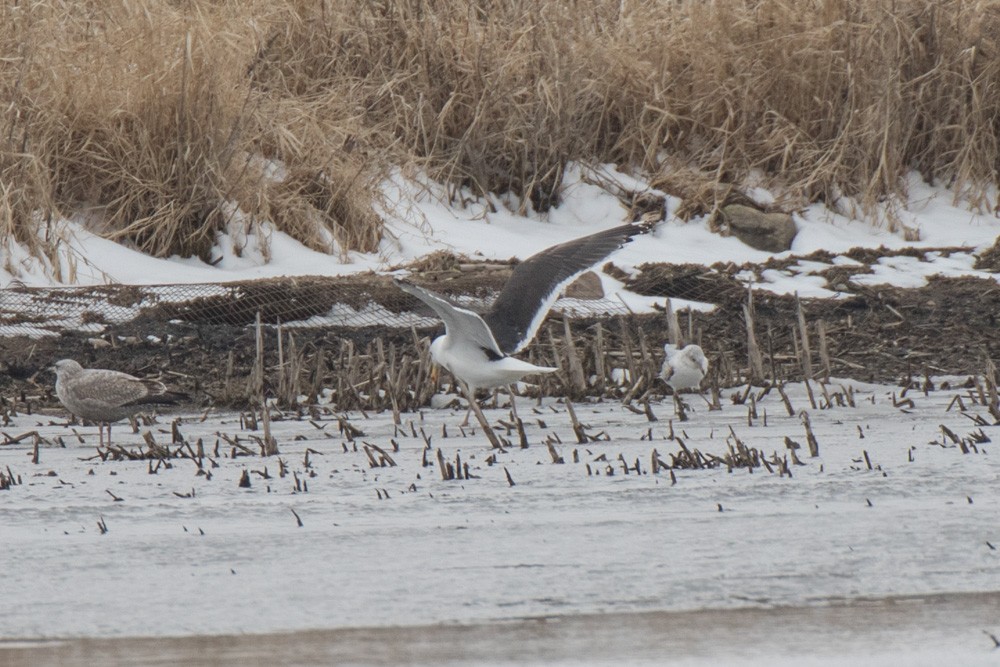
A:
(358, 336)
(367, 301)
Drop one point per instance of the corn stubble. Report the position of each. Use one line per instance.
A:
(162, 124)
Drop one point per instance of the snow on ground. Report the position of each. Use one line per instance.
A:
(891, 507)
(184, 555)
(419, 221)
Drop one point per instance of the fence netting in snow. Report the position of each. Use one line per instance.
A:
(303, 302)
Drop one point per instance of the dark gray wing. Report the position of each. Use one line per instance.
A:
(160, 395)
(539, 280)
(459, 323)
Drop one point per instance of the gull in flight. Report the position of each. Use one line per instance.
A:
(476, 348)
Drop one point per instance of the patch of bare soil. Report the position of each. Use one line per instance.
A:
(989, 259)
(881, 334)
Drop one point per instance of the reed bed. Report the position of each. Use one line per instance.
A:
(752, 339)
(603, 358)
(163, 124)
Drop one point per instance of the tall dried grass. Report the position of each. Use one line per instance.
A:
(145, 119)
(159, 119)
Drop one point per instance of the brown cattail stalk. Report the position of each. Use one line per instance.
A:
(806, 355)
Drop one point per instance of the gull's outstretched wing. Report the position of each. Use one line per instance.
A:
(461, 325)
(537, 282)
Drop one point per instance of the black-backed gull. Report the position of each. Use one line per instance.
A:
(476, 348)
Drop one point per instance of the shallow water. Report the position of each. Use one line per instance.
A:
(926, 630)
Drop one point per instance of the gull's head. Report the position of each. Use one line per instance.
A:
(66, 368)
(697, 355)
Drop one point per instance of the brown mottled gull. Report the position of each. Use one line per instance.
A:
(106, 396)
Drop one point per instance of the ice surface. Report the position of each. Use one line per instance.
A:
(399, 546)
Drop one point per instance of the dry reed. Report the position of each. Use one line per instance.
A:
(165, 124)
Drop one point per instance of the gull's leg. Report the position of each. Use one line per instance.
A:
(470, 394)
(513, 407)
(474, 407)
(100, 433)
(109, 434)
(679, 406)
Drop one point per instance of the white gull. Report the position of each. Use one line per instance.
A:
(684, 368)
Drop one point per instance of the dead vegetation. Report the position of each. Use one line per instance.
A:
(876, 333)
(163, 124)
(338, 383)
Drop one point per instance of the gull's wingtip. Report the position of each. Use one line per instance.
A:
(631, 230)
(404, 285)
(644, 227)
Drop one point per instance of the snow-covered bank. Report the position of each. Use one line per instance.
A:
(418, 222)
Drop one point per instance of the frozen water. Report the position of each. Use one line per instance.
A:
(390, 546)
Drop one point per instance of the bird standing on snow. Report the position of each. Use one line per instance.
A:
(476, 348)
(685, 368)
(106, 396)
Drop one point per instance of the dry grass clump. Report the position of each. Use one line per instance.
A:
(482, 95)
(144, 119)
(826, 98)
(129, 117)
(835, 97)
(159, 119)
